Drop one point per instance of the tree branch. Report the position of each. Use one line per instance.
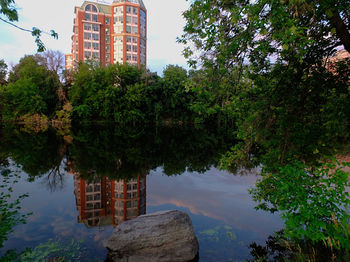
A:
(341, 30)
(21, 28)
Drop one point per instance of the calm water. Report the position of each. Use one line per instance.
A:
(82, 185)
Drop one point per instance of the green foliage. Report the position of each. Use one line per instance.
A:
(36, 153)
(112, 93)
(9, 10)
(55, 250)
(52, 250)
(31, 89)
(293, 108)
(125, 152)
(281, 249)
(224, 33)
(125, 94)
(10, 215)
(3, 72)
(312, 200)
(213, 91)
(174, 96)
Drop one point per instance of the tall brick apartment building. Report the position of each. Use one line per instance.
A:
(115, 33)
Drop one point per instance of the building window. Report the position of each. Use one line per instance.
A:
(107, 31)
(108, 57)
(118, 10)
(128, 19)
(134, 48)
(134, 30)
(87, 36)
(87, 17)
(128, 57)
(94, 18)
(134, 11)
(107, 21)
(95, 37)
(91, 8)
(134, 20)
(128, 48)
(107, 39)
(128, 39)
(95, 46)
(128, 9)
(134, 58)
(87, 45)
(87, 27)
(128, 29)
(142, 14)
(89, 189)
(118, 29)
(95, 27)
(134, 40)
(88, 197)
(107, 48)
(97, 196)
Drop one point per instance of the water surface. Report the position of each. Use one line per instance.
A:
(83, 185)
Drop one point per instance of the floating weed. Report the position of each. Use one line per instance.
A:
(219, 233)
(54, 250)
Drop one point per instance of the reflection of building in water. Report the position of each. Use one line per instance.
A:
(109, 202)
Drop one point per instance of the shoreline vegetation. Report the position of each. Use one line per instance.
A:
(265, 69)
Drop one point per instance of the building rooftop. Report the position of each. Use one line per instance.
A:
(140, 2)
(102, 8)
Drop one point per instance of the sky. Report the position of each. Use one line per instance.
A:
(165, 23)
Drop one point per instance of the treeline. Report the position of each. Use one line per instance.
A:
(115, 151)
(118, 93)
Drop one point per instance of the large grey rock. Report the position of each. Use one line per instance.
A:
(162, 236)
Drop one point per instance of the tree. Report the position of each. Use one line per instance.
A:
(232, 32)
(9, 11)
(112, 93)
(293, 103)
(175, 96)
(53, 60)
(31, 89)
(3, 72)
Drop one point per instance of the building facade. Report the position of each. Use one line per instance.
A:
(109, 202)
(110, 34)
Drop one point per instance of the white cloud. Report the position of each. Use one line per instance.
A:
(165, 23)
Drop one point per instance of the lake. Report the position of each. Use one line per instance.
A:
(82, 185)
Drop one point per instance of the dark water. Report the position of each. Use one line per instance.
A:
(84, 184)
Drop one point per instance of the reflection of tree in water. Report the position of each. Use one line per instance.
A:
(106, 149)
(278, 248)
(37, 154)
(54, 179)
